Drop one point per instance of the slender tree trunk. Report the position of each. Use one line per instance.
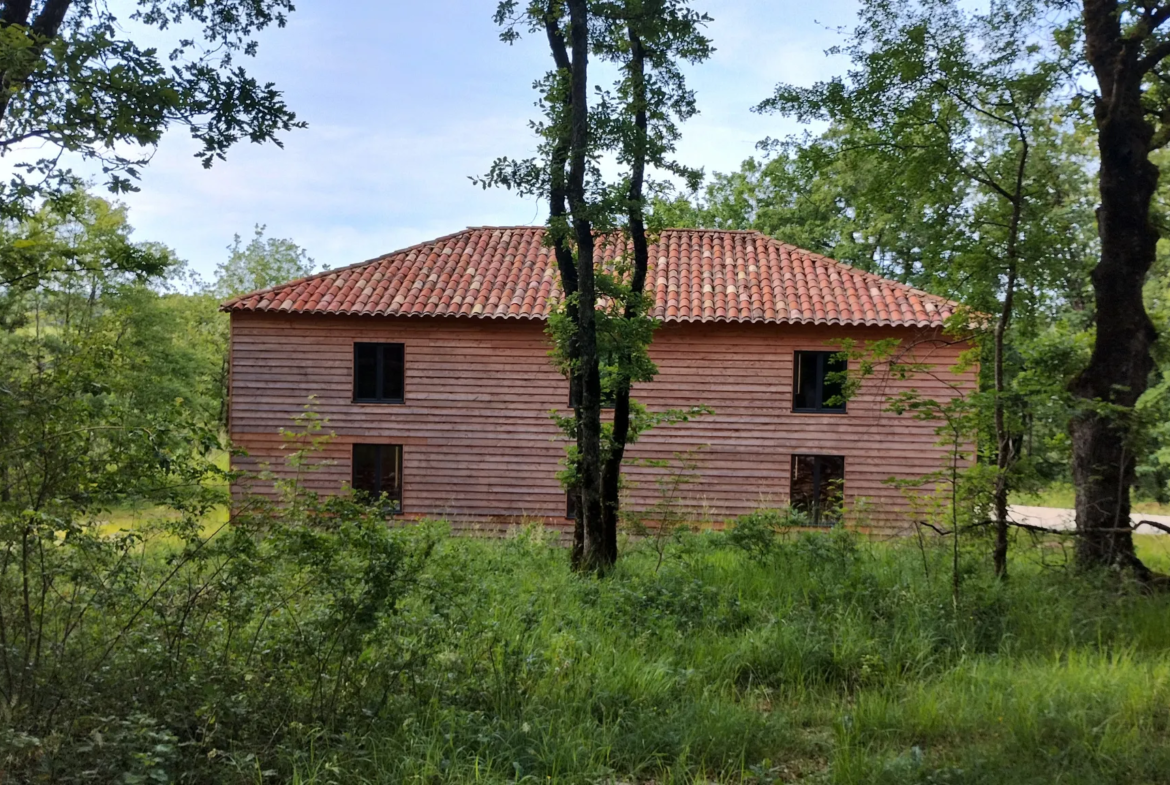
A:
(611, 476)
(589, 461)
(1004, 456)
(563, 252)
(1120, 365)
(1004, 452)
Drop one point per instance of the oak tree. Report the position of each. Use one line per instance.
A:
(77, 81)
(1126, 44)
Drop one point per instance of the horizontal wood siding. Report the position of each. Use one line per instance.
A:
(481, 449)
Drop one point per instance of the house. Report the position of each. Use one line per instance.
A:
(431, 366)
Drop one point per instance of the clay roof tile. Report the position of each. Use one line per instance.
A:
(695, 275)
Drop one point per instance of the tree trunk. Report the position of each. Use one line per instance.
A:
(1119, 368)
(611, 476)
(589, 467)
(1003, 441)
(567, 262)
(1004, 452)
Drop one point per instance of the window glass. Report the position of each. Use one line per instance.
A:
(365, 468)
(812, 389)
(833, 388)
(377, 470)
(365, 371)
(379, 371)
(806, 368)
(818, 487)
(393, 371)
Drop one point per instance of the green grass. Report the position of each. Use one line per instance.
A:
(831, 660)
(1063, 496)
(816, 658)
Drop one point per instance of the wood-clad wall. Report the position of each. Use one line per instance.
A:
(481, 449)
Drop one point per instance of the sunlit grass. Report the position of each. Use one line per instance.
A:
(1154, 550)
(824, 658)
(1063, 496)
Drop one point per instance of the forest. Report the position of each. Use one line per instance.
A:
(154, 628)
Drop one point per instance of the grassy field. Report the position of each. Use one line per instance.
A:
(1062, 495)
(740, 657)
(824, 659)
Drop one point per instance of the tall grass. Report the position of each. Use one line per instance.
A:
(822, 657)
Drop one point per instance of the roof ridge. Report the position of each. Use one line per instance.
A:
(510, 289)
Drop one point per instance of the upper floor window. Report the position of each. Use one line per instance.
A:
(377, 470)
(379, 371)
(818, 487)
(812, 389)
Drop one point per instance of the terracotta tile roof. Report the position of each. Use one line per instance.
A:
(699, 275)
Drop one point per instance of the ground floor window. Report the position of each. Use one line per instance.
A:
(818, 487)
(377, 471)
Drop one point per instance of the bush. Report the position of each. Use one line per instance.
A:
(309, 642)
(757, 532)
(167, 650)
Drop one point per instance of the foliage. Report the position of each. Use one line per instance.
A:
(171, 652)
(102, 397)
(78, 81)
(759, 532)
(320, 646)
(670, 515)
(604, 319)
(262, 263)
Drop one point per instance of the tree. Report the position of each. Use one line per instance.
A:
(262, 263)
(73, 81)
(100, 398)
(950, 113)
(1126, 45)
(636, 122)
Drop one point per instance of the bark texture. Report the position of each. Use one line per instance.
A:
(568, 204)
(1119, 369)
(611, 476)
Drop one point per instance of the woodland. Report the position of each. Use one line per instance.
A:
(1006, 155)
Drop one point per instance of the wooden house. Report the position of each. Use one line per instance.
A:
(431, 367)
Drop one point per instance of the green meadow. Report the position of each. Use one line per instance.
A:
(329, 649)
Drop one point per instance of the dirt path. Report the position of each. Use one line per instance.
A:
(1059, 519)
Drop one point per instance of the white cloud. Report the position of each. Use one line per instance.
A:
(405, 101)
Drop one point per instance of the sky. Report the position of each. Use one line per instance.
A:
(406, 100)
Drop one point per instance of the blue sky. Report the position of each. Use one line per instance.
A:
(405, 100)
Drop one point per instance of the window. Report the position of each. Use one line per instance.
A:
(818, 487)
(378, 372)
(377, 470)
(570, 505)
(811, 390)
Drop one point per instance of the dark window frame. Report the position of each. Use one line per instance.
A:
(379, 372)
(823, 361)
(816, 514)
(379, 456)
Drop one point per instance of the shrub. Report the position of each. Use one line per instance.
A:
(757, 532)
